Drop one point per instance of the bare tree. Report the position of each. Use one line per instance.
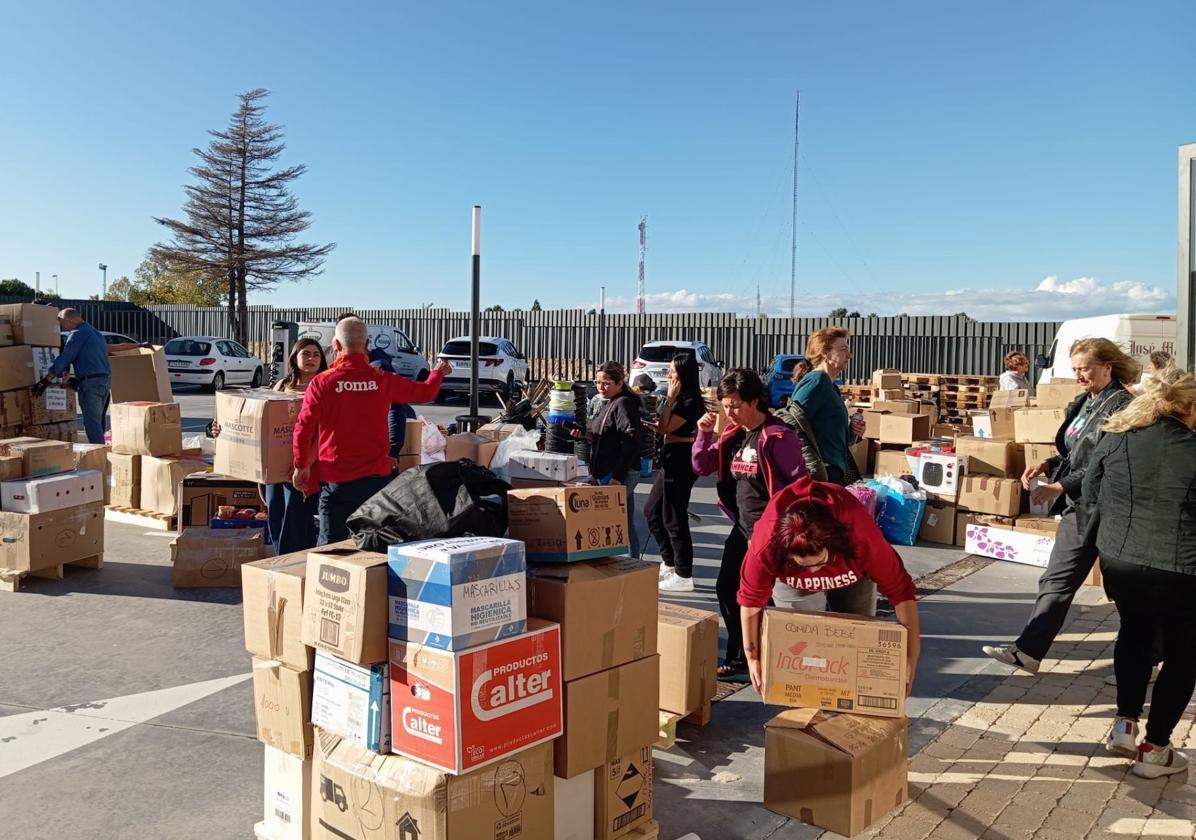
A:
(242, 220)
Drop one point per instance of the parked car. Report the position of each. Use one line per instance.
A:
(502, 369)
(118, 338)
(655, 356)
(1138, 335)
(779, 378)
(386, 342)
(212, 362)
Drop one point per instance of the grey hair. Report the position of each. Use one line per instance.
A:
(352, 333)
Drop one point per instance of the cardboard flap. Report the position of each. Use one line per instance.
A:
(794, 719)
(853, 734)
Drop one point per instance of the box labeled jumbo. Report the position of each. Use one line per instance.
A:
(352, 701)
(990, 456)
(459, 710)
(272, 603)
(607, 610)
(904, 428)
(357, 794)
(124, 480)
(542, 466)
(623, 794)
(687, 639)
(40, 457)
(838, 772)
(835, 662)
(52, 492)
(140, 375)
(202, 495)
(205, 557)
(570, 523)
(1037, 425)
(256, 431)
(1030, 548)
(988, 494)
(33, 541)
(282, 702)
(160, 479)
(344, 603)
(286, 796)
(32, 323)
(607, 715)
(573, 807)
(147, 428)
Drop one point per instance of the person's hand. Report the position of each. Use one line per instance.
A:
(858, 424)
(1031, 473)
(756, 672)
(1046, 493)
(301, 477)
(443, 367)
(576, 433)
(674, 389)
(708, 422)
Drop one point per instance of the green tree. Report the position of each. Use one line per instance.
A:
(855, 313)
(13, 286)
(873, 315)
(162, 284)
(495, 308)
(536, 306)
(122, 288)
(839, 312)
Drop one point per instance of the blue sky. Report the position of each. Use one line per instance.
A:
(1013, 160)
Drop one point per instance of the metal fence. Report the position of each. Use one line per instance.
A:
(568, 342)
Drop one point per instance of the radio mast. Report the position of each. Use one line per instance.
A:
(793, 253)
(639, 300)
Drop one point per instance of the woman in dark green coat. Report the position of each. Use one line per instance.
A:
(1139, 504)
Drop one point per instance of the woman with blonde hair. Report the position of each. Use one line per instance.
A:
(1104, 370)
(1140, 503)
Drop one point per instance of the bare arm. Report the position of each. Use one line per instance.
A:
(907, 616)
(751, 619)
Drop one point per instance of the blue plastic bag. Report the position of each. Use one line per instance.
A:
(900, 509)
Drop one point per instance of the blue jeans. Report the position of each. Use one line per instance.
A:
(292, 518)
(93, 404)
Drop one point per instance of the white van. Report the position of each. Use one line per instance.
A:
(1138, 335)
(405, 358)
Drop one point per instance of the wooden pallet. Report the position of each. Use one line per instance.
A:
(667, 734)
(10, 579)
(139, 517)
(921, 378)
(969, 380)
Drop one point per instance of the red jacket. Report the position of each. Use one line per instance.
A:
(874, 557)
(345, 409)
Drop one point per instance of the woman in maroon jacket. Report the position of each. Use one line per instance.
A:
(817, 538)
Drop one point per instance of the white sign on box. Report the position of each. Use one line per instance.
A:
(55, 399)
(52, 492)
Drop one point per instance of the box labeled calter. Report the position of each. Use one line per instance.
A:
(460, 710)
(570, 523)
(836, 662)
(256, 430)
(457, 593)
(352, 701)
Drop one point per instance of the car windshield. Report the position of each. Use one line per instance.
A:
(187, 347)
(662, 352)
(461, 348)
(787, 365)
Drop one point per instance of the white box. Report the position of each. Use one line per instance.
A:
(1043, 509)
(940, 473)
(52, 492)
(286, 796)
(1030, 549)
(573, 807)
(543, 466)
(352, 701)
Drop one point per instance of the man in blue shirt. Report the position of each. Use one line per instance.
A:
(87, 352)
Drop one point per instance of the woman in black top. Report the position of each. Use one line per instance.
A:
(615, 440)
(667, 508)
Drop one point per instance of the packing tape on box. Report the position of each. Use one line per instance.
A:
(608, 648)
(275, 613)
(612, 734)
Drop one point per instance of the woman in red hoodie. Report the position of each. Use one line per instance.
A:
(817, 538)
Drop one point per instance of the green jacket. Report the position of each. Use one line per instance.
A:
(1139, 497)
(795, 418)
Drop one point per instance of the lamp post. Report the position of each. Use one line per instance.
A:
(104, 293)
(55, 276)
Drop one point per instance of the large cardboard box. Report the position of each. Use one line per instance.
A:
(989, 494)
(623, 794)
(201, 495)
(21, 367)
(54, 405)
(465, 445)
(256, 432)
(145, 428)
(1058, 393)
(995, 457)
(286, 796)
(34, 541)
(838, 772)
(888, 379)
(52, 492)
(205, 557)
(1042, 524)
(11, 466)
(835, 662)
(272, 605)
(160, 480)
(573, 807)
(1009, 399)
(65, 432)
(1037, 425)
(904, 428)
(499, 431)
(352, 701)
(32, 323)
(1029, 547)
(464, 709)
(897, 406)
(1036, 453)
(282, 702)
(542, 466)
(938, 523)
(607, 715)
(124, 480)
(457, 593)
(570, 523)
(687, 639)
(140, 375)
(344, 603)
(872, 423)
(965, 518)
(892, 462)
(14, 406)
(357, 794)
(94, 456)
(995, 423)
(607, 611)
(40, 457)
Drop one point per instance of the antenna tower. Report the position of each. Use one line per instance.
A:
(639, 300)
(793, 253)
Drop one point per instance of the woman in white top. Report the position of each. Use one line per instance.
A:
(1017, 365)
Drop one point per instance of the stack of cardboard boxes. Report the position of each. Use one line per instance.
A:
(29, 344)
(892, 424)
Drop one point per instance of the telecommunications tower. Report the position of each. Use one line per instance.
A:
(640, 295)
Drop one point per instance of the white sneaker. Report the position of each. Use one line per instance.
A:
(676, 583)
(1154, 762)
(1010, 655)
(1123, 738)
(665, 572)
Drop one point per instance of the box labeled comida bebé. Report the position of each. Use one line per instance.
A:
(256, 431)
(286, 796)
(33, 541)
(352, 701)
(457, 593)
(459, 710)
(570, 523)
(52, 492)
(344, 603)
(147, 428)
(841, 663)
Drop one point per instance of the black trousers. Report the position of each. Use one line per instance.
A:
(1155, 608)
(1070, 562)
(727, 588)
(338, 502)
(667, 508)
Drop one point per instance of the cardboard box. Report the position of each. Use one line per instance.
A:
(995, 457)
(688, 643)
(32, 323)
(146, 428)
(1030, 548)
(573, 807)
(457, 593)
(11, 466)
(464, 445)
(499, 431)
(464, 709)
(344, 603)
(897, 406)
(938, 523)
(607, 611)
(40, 457)
(995, 423)
(1009, 399)
(140, 375)
(52, 492)
(205, 557)
(5, 331)
(838, 772)
(201, 495)
(964, 518)
(887, 394)
(940, 473)
(407, 462)
(872, 423)
(887, 378)
(256, 432)
(532, 484)
(286, 796)
(65, 432)
(607, 715)
(282, 702)
(357, 794)
(835, 662)
(54, 405)
(892, 462)
(542, 466)
(272, 605)
(570, 523)
(1058, 393)
(160, 479)
(124, 480)
(34, 541)
(904, 428)
(94, 456)
(1037, 425)
(1038, 524)
(413, 438)
(22, 366)
(949, 430)
(1036, 453)
(623, 794)
(14, 407)
(988, 494)
(352, 701)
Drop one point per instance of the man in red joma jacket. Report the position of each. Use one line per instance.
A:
(345, 410)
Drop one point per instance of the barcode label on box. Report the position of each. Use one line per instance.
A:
(868, 702)
(282, 815)
(330, 632)
(889, 635)
(630, 817)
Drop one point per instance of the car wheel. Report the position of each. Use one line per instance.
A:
(256, 382)
(218, 382)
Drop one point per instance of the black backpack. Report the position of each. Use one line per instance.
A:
(449, 499)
